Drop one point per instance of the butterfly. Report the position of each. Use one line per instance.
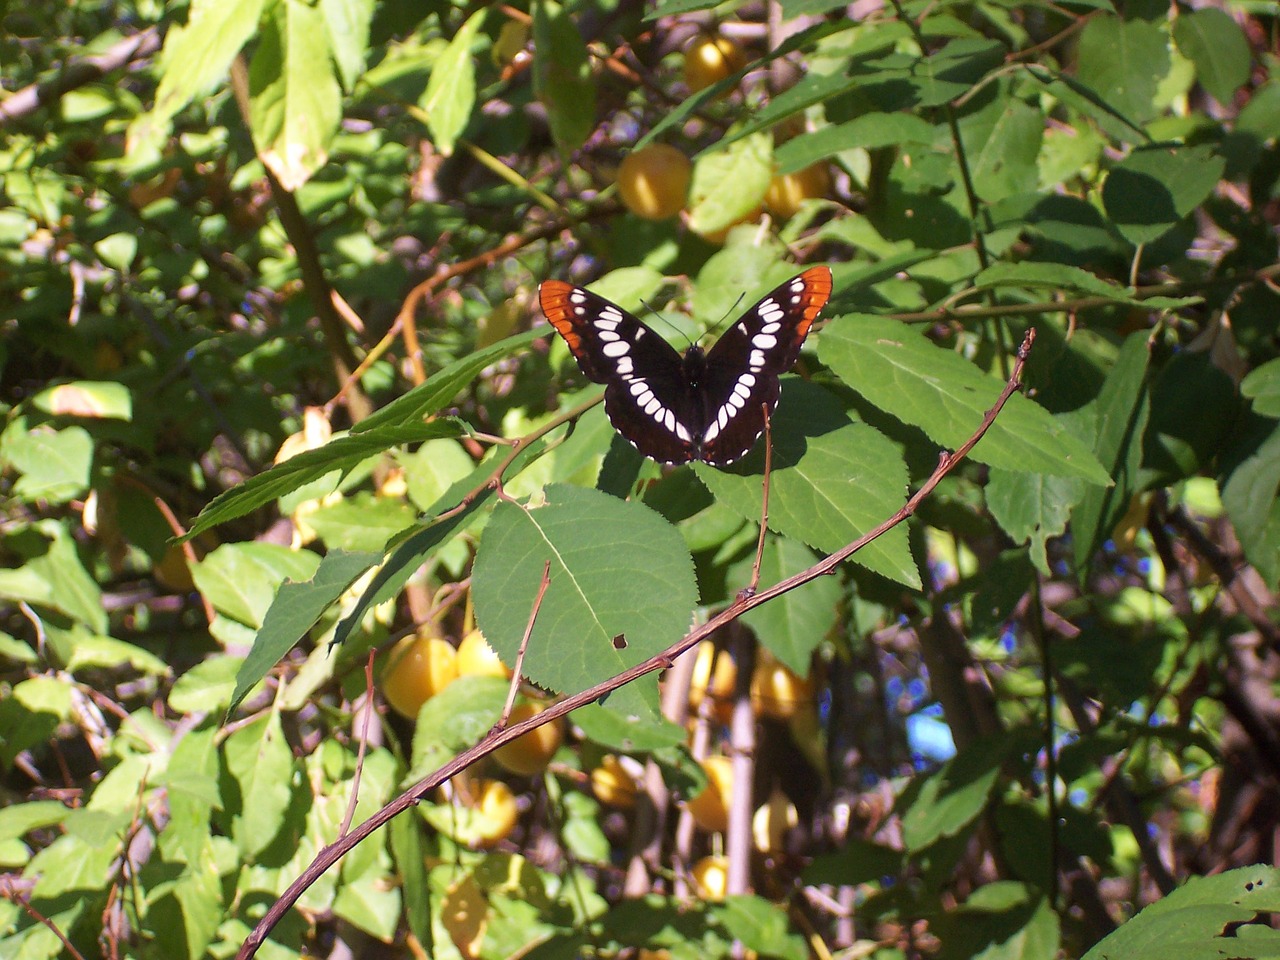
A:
(704, 405)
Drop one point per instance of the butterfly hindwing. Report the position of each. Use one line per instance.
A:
(647, 397)
(675, 409)
(742, 368)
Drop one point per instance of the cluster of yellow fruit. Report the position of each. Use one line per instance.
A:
(420, 667)
(654, 180)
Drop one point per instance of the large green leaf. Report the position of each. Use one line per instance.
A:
(793, 625)
(260, 765)
(832, 481)
(1214, 42)
(451, 91)
(1200, 920)
(1123, 61)
(1154, 188)
(896, 368)
(729, 184)
(296, 608)
(621, 586)
(562, 76)
(1119, 418)
(1249, 479)
(295, 100)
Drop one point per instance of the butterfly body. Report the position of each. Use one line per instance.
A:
(700, 405)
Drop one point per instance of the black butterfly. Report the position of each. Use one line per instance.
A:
(700, 406)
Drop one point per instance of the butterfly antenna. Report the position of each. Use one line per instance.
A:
(731, 312)
(659, 316)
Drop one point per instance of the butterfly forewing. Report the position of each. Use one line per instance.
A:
(675, 409)
(647, 397)
(743, 367)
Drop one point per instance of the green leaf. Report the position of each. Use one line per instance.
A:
(442, 387)
(68, 865)
(871, 131)
(294, 610)
(451, 91)
(103, 399)
(1262, 386)
(858, 861)
(614, 731)
(793, 625)
(942, 76)
(562, 78)
(1032, 508)
(943, 803)
(1198, 919)
(1120, 421)
(18, 819)
(1214, 42)
(1152, 189)
(454, 719)
(901, 372)
(1191, 399)
(241, 579)
(760, 926)
(118, 251)
(1003, 142)
(54, 465)
(261, 765)
(295, 101)
(337, 456)
(348, 32)
(431, 469)
(198, 55)
(406, 560)
(1001, 921)
(832, 481)
(206, 687)
(1249, 478)
(621, 586)
(49, 574)
(361, 521)
(85, 651)
(728, 185)
(1123, 61)
(1052, 277)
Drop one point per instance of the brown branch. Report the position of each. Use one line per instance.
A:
(405, 323)
(78, 72)
(307, 255)
(334, 852)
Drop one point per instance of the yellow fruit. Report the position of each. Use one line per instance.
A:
(654, 181)
(714, 675)
(477, 659)
(418, 669)
(496, 806)
(787, 192)
(510, 43)
(710, 808)
(776, 691)
(771, 821)
(711, 877)
(612, 784)
(710, 59)
(531, 753)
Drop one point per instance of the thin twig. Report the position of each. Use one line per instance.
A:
(518, 669)
(367, 711)
(496, 738)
